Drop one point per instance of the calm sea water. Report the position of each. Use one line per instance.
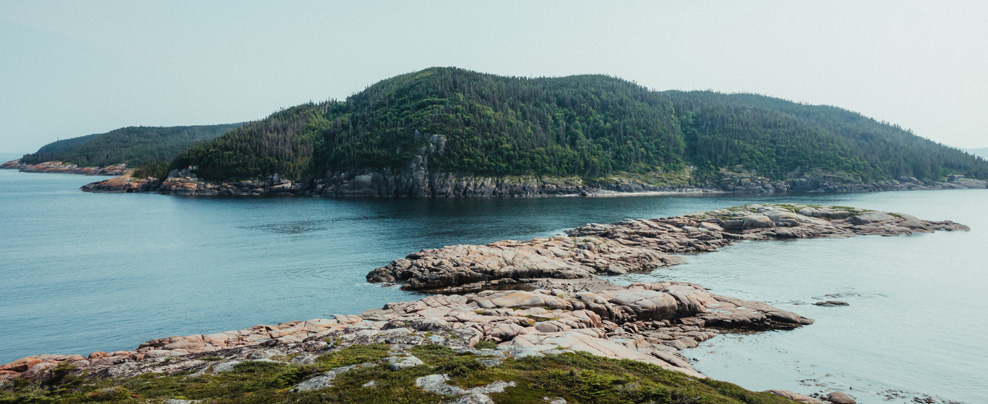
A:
(85, 272)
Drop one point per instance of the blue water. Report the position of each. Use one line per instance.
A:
(83, 272)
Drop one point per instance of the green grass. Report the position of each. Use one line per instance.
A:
(578, 378)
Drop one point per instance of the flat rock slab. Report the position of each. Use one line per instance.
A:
(634, 245)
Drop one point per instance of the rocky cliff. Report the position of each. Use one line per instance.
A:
(416, 180)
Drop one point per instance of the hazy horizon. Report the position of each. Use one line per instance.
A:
(73, 69)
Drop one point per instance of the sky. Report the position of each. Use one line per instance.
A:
(72, 68)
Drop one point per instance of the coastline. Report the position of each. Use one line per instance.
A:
(444, 185)
(662, 307)
(184, 184)
(58, 167)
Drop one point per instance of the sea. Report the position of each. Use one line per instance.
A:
(82, 272)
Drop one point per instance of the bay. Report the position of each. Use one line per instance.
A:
(84, 272)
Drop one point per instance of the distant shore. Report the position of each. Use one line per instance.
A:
(404, 185)
(59, 167)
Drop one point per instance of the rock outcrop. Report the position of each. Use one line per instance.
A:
(634, 245)
(64, 168)
(122, 184)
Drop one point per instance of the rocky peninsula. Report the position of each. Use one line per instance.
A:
(635, 245)
(519, 321)
(64, 168)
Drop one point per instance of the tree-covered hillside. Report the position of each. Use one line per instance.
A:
(133, 146)
(586, 126)
(782, 139)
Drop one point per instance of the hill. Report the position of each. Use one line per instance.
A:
(448, 131)
(133, 146)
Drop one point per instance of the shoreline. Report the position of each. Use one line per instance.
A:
(569, 306)
(440, 186)
(58, 167)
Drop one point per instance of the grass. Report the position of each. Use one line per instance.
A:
(578, 378)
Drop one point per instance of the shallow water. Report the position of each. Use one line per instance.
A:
(83, 272)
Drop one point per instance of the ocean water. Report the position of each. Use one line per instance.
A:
(84, 272)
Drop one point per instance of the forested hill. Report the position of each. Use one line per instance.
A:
(134, 145)
(782, 139)
(465, 123)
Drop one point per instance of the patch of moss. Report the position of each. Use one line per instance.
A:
(353, 355)
(576, 377)
(484, 344)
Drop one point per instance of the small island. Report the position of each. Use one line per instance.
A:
(446, 132)
(515, 321)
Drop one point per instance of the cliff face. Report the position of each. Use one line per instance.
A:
(421, 183)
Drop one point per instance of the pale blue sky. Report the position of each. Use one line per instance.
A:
(71, 68)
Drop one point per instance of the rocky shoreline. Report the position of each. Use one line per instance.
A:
(420, 183)
(59, 167)
(423, 184)
(552, 302)
(635, 245)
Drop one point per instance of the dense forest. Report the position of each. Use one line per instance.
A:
(587, 126)
(781, 139)
(134, 146)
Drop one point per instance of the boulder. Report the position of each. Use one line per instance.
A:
(870, 217)
(757, 222)
(838, 397)
(801, 398)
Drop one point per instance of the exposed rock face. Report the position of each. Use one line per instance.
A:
(634, 245)
(650, 322)
(64, 168)
(748, 183)
(417, 180)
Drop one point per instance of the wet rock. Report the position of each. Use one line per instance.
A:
(831, 303)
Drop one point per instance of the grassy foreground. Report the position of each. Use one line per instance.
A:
(578, 378)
